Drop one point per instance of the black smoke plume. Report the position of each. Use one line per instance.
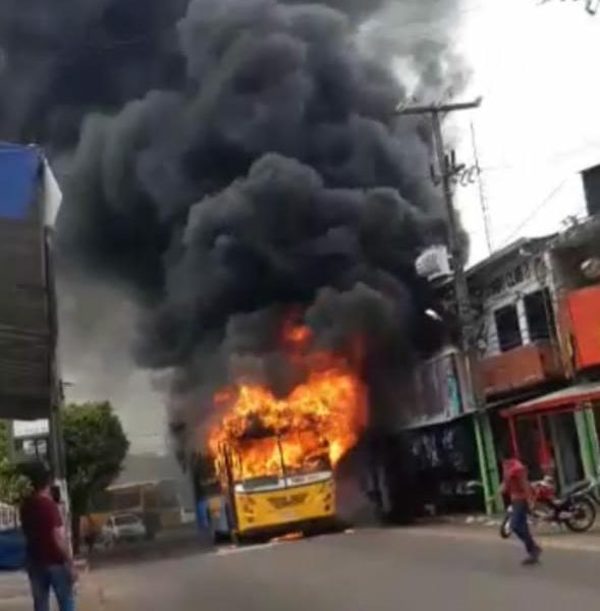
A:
(61, 60)
(235, 159)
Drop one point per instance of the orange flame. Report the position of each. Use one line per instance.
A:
(312, 428)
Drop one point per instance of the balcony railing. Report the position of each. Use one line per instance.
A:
(520, 368)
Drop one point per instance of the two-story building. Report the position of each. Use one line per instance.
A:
(535, 370)
(537, 336)
(566, 421)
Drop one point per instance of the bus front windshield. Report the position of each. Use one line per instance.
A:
(270, 458)
(258, 459)
(304, 452)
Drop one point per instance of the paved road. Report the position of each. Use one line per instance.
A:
(374, 570)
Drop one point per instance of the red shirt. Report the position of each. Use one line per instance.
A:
(40, 516)
(515, 480)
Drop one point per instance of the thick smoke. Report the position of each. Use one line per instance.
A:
(277, 178)
(61, 60)
(232, 159)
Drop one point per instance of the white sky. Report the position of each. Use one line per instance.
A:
(537, 70)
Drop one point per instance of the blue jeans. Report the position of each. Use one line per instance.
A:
(520, 526)
(56, 577)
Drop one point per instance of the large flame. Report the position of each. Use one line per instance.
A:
(313, 427)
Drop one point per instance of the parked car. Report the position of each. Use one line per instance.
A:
(123, 527)
(12, 550)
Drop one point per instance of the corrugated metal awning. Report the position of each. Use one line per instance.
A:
(571, 397)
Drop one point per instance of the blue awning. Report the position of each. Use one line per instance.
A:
(19, 172)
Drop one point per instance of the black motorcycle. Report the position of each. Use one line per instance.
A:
(575, 509)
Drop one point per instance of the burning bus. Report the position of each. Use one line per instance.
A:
(270, 487)
(274, 457)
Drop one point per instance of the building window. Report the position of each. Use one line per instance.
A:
(539, 314)
(507, 327)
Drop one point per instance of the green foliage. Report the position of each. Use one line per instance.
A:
(4, 439)
(14, 486)
(95, 446)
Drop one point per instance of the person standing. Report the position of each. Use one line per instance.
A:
(49, 560)
(516, 486)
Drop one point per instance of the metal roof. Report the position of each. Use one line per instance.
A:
(570, 397)
(517, 247)
(27, 334)
(579, 234)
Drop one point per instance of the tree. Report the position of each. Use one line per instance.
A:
(14, 485)
(4, 439)
(95, 447)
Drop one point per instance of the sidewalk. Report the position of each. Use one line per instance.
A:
(486, 528)
(494, 522)
(14, 593)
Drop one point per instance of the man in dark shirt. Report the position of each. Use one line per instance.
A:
(49, 562)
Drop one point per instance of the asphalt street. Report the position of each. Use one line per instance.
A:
(373, 570)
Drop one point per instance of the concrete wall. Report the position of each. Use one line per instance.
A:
(535, 277)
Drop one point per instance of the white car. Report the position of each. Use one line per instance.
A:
(123, 527)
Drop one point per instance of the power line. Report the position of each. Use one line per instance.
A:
(535, 211)
(544, 160)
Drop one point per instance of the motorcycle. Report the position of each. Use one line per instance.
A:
(576, 509)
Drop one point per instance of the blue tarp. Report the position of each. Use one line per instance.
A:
(19, 167)
(12, 550)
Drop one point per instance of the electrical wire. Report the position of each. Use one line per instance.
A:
(535, 212)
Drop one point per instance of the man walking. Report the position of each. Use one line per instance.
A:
(49, 561)
(516, 486)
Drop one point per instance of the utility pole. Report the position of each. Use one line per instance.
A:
(482, 429)
(461, 290)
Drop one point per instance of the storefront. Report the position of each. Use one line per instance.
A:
(556, 434)
(449, 441)
(446, 462)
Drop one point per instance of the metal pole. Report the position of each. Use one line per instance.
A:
(513, 437)
(487, 226)
(488, 499)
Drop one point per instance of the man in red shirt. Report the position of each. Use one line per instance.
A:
(516, 486)
(49, 562)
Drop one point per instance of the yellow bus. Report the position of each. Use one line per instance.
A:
(272, 485)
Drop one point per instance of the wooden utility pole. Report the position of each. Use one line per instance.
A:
(461, 290)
